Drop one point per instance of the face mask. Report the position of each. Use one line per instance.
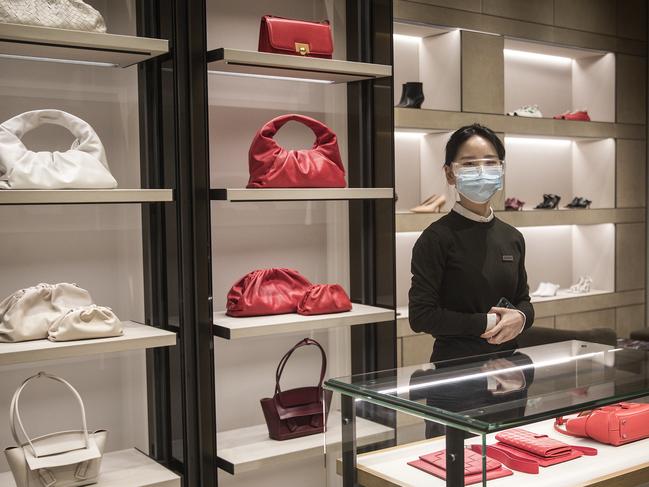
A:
(479, 185)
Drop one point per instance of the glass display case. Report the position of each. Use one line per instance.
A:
(469, 408)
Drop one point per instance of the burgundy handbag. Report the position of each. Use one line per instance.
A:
(297, 412)
(267, 292)
(272, 166)
(435, 464)
(322, 299)
(615, 425)
(298, 37)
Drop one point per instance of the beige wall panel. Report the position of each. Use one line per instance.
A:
(417, 349)
(586, 321)
(630, 173)
(628, 319)
(630, 256)
(589, 15)
(632, 19)
(547, 322)
(540, 11)
(631, 88)
(483, 74)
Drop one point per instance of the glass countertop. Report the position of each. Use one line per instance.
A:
(488, 393)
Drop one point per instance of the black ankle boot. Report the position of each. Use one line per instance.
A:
(412, 95)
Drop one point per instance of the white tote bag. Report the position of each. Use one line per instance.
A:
(29, 313)
(86, 322)
(84, 166)
(63, 459)
(61, 14)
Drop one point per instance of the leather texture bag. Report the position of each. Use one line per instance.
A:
(297, 412)
(322, 299)
(84, 323)
(435, 464)
(60, 14)
(63, 459)
(84, 166)
(616, 425)
(272, 166)
(29, 313)
(298, 37)
(267, 292)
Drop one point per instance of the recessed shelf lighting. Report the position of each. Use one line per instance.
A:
(267, 76)
(535, 56)
(410, 134)
(407, 38)
(538, 140)
(60, 61)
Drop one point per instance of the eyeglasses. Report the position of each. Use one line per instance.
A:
(478, 166)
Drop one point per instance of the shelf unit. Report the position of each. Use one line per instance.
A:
(248, 449)
(300, 194)
(232, 328)
(263, 64)
(124, 468)
(95, 48)
(83, 196)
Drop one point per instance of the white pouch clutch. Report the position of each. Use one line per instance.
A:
(29, 313)
(61, 14)
(86, 322)
(63, 459)
(84, 166)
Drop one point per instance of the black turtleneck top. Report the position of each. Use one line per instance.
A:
(460, 269)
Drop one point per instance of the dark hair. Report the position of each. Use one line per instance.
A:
(461, 135)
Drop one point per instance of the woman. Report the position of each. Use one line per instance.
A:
(464, 263)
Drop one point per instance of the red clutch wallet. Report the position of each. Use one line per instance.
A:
(323, 299)
(267, 292)
(272, 166)
(435, 464)
(298, 37)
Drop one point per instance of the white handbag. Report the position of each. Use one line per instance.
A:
(86, 322)
(84, 166)
(63, 459)
(29, 313)
(61, 14)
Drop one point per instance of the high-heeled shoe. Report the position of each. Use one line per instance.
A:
(514, 204)
(432, 204)
(412, 95)
(550, 202)
(546, 290)
(583, 286)
(579, 202)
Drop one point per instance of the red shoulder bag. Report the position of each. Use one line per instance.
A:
(297, 37)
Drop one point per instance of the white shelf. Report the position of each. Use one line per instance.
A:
(45, 43)
(247, 449)
(300, 194)
(232, 328)
(125, 468)
(389, 468)
(264, 64)
(563, 294)
(83, 196)
(136, 337)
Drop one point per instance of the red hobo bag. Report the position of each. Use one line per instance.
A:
(272, 166)
(297, 37)
(324, 298)
(267, 292)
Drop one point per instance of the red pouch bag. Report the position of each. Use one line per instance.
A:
(435, 464)
(267, 292)
(322, 299)
(272, 166)
(298, 37)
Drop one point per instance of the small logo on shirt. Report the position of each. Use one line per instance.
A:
(508, 258)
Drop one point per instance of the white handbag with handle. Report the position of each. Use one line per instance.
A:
(84, 166)
(84, 323)
(29, 313)
(61, 14)
(63, 459)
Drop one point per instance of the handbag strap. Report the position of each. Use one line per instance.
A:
(560, 421)
(14, 413)
(282, 363)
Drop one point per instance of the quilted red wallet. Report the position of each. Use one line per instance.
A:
(435, 464)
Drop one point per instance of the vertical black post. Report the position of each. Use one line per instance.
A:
(348, 418)
(454, 457)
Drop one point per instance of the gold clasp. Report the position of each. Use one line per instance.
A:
(301, 49)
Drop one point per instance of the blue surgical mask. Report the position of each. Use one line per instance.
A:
(479, 184)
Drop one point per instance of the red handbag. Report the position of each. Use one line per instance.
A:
(298, 37)
(267, 292)
(615, 425)
(435, 464)
(321, 299)
(272, 166)
(297, 412)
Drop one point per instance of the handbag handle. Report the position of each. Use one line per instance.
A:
(282, 363)
(560, 421)
(14, 413)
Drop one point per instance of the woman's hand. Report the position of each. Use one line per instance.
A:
(508, 327)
